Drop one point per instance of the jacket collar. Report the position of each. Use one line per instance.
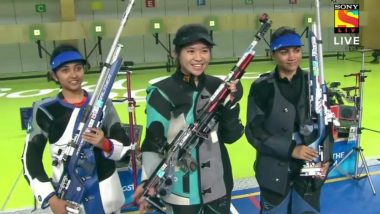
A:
(189, 79)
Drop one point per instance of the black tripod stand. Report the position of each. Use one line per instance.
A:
(358, 149)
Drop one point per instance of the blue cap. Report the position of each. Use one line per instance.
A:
(286, 40)
(66, 57)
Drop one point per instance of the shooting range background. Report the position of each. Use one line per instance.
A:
(236, 22)
(19, 57)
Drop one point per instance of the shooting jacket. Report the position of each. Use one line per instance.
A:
(53, 121)
(271, 126)
(174, 103)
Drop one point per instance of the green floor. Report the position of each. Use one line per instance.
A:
(14, 191)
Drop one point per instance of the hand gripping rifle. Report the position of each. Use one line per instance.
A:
(319, 112)
(188, 138)
(78, 158)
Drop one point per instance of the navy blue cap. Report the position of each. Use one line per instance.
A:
(286, 40)
(66, 57)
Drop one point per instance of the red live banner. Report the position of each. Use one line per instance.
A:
(150, 3)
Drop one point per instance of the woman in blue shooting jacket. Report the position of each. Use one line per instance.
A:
(174, 103)
(277, 110)
(53, 121)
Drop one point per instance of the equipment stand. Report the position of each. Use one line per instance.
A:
(170, 60)
(358, 149)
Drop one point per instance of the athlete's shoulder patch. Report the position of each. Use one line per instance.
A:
(265, 77)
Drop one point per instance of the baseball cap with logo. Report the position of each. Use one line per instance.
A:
(191, 33)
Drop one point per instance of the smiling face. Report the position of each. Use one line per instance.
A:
(288, 59)
(194, 58)
(70, 77)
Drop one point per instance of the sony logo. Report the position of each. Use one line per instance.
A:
(346, 6)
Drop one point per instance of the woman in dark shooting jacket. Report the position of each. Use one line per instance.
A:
(174, 103)
(277, 111)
